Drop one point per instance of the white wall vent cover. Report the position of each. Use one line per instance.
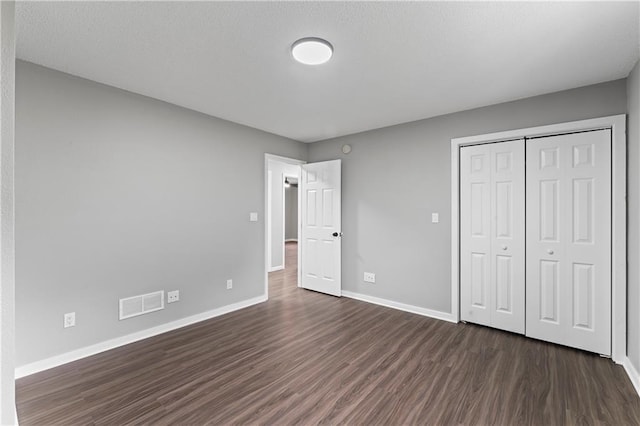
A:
(143, 304)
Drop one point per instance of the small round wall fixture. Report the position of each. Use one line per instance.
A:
(346, 149)
(312, 51)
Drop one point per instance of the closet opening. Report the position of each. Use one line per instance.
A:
(562, 188)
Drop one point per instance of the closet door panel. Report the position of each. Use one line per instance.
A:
(569, 240)
(508, 239)
(544, 232)
(492, 235)
(475, 234)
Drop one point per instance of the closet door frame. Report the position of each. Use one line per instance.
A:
(617, 124)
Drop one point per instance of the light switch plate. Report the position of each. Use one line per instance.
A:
(435, 218)
(69, 320)
(253, 216)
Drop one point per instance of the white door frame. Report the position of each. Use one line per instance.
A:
(267, 214)
(617, 124)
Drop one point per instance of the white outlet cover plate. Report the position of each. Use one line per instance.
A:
(369, 277)
(229, 284)
(435, 218)
(253, 216)
(173, 296)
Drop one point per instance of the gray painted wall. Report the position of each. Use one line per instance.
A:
(118, 195)
(633, 218)
(291, 213)
(7, 278)
(397, 176)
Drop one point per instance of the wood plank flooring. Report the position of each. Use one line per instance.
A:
(307, 358)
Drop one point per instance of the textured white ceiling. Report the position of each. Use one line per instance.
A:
(393, 62)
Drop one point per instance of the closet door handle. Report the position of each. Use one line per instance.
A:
(504, 247)
(549, 251)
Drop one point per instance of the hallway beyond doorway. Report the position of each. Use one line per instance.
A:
(284, 281)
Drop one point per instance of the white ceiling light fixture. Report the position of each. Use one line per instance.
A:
(312, 51)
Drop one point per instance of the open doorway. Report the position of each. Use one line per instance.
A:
(282, 223)
(291, 224)
(317, 262)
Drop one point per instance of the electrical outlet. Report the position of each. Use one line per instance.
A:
(369, 277)
(173, 296)
(69, 320)
(229, 284)
(435, 218)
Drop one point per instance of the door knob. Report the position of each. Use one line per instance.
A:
(337, 234)
(504, 247)
(549, 251)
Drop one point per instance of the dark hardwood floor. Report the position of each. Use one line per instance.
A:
(307, 358)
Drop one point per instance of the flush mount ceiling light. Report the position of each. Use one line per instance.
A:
(312, 51)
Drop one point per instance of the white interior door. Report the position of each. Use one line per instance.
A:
(569, 240)
(492, 235)
(321, 227)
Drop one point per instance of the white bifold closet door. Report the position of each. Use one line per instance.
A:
(492, 235)
(568, 219)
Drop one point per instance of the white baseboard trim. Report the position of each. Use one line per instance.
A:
(445, 316)
(632, 373)
(276, 268)
(45, 364)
